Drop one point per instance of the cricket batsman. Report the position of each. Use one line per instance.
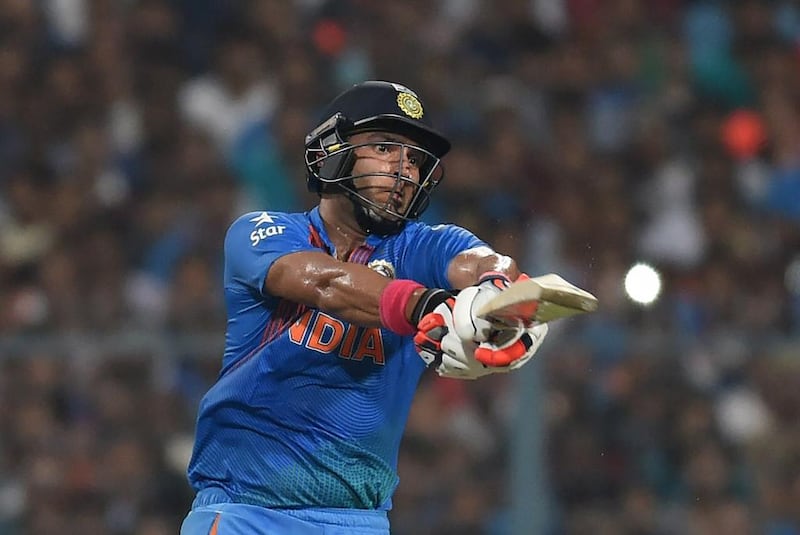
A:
(333, 316)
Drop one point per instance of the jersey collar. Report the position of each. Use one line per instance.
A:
(316, 221)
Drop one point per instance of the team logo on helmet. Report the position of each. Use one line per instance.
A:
(410, 105)
(384, 267)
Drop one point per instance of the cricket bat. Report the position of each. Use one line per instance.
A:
(540, 299)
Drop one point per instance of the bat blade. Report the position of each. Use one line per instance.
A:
(541, 299)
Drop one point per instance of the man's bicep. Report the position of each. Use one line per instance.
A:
(348, 291)
(297, 276)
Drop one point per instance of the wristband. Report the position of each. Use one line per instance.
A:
(392, 306)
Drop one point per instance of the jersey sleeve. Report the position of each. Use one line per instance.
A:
(431, 249)
(256, 240)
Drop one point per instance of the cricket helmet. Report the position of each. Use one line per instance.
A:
(368, 107)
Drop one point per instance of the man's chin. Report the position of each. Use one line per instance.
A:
(384, 214)
(378, 221)
(388, 210)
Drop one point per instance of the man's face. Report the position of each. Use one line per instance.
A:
(382, 161)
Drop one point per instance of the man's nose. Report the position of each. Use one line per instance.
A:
(404, 161)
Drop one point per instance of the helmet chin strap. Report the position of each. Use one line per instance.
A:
(370, 221)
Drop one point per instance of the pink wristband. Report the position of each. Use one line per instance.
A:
(392, 307)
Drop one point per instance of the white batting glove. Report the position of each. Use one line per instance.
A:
(505, 349)
(439, 345)
(469, 300)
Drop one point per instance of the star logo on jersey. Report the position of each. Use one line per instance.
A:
(263, 217)
(384, 267)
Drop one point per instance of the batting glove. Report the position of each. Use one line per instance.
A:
(468, 326)
(512, 348)
(438, 345)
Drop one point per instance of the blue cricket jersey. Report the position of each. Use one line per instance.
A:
(308, 410)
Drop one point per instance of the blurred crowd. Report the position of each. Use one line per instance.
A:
(588, 134)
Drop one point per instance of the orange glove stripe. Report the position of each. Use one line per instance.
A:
(430, 322)
(506, 355)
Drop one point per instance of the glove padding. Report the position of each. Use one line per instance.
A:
(507, 348)
(469, 300)
(438, 343)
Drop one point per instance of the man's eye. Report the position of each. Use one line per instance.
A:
(417, 158)
(381, 147)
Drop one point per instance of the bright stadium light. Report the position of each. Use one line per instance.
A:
(642, 284)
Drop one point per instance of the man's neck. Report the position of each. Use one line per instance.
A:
(341, 226)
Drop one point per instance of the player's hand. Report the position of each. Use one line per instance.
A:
(504, 349)
(512, 348)
(439, 345)
(469, 300)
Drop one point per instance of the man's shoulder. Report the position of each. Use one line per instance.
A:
(267, 218)
(421, 234)
(420, 227)
(257, 226)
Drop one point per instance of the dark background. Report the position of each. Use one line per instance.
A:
(589, 135)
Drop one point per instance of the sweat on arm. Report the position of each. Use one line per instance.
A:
(355, 293)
